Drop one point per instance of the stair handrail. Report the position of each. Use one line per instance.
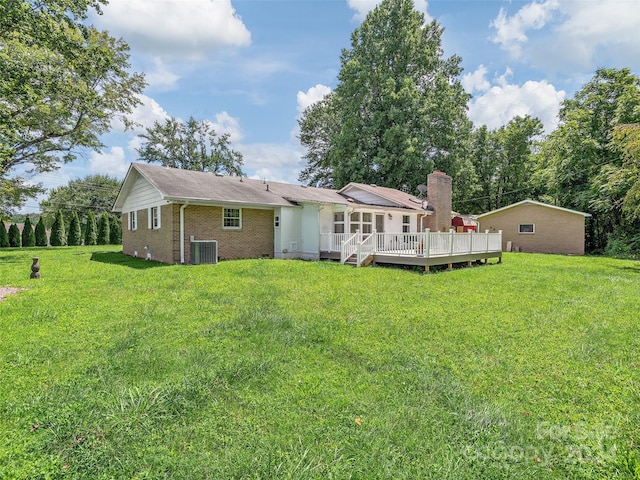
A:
(349, 247)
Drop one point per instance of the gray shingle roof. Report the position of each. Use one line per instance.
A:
(178, 184)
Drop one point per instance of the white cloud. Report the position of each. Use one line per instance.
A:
(161, 78)
(313, 95)
(571, 35)
(112, 163)
(175, 28)
(497, 105)
(144, 115)
(476, 81)
(511, 31)
(363, 7)
(225, 123)
(277, 163)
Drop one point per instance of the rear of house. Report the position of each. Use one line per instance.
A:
(536, 227)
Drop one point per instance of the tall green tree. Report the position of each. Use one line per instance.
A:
(95, 193)
(41, 233)
(115, 230)
(90, 230)
(103, 229)
(15, 239)
(58, 237)
(4, 236)
(28, 235)
(190, 145)
(75, 236)
(579, 159)
(398, 111)
(62, 82)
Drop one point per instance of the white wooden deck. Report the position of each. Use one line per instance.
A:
(423, 249)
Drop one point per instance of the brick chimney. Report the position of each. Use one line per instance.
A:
(439, 198)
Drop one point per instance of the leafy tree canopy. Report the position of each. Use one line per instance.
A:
(398, 111)
(61, 83)
(580, 164)
(191, 145)
(95, 193)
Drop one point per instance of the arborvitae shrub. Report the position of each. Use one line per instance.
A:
(103, 229)
(75, 237)
(15, 239)
(28, 235)
(4, 236)
(115, 231)
(90, 233)
(58, 236)
(41, 234)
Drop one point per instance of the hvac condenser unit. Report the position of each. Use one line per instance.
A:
(204, 251)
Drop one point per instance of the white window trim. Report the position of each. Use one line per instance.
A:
(406, 224)
(520, 225)
(133, 220)
(239, 227)
(150, 218)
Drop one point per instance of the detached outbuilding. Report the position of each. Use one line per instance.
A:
(530, 226)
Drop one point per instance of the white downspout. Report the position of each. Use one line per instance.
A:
(182, 207)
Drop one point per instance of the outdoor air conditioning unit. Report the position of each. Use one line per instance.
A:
(204, 251)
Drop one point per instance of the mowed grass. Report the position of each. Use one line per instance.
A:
(113, 367)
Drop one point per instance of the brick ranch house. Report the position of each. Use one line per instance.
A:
(166, 210)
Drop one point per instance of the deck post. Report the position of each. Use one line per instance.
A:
(427, 243)
(451, 232)
(426, 268)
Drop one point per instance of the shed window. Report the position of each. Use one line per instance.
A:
(133, 220)
(527, 228)
(232, 218)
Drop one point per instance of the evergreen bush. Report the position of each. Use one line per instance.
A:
(4, 236)
(103, 229)
(75, 237)
(115, 231)
(15, 239)
(58, 235)
(90, 233)
(41, 234)
(28, 235)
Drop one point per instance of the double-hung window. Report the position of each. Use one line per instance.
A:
(232, 218)
(133, 220)
(154, 218)
(406, 224)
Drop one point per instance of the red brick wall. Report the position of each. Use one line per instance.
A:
(160, 242)
(253, 240)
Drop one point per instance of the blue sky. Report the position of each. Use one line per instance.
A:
(251, 66)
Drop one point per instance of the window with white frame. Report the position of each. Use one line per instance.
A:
(354, 222)
(133, 220)
(154, 218)
(527, 228)
(406, 224)
(276, 221)
(338, 222)
(232, 218)
(367, 222)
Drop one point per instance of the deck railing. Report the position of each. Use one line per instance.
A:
(424, 244)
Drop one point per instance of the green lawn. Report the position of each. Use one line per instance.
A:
(112, 367)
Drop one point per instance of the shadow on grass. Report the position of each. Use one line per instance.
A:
(633, 269)
(119, 258)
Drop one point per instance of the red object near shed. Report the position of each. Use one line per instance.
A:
(462, 224)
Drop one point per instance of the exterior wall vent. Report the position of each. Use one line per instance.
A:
(293, 247)
(204, 252)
